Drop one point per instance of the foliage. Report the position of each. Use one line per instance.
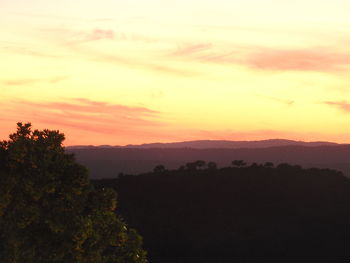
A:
(252, 213)
(239, 163)
(159, 169)
(212, 166)
(192, 166)
(49, 211)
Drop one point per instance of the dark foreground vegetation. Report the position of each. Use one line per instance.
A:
(49, 210)
(256, 213)
(51, 213)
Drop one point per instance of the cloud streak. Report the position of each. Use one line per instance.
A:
(62, 17)
(268, 59)
(73, 40)
(30, 81)
(81, 37)
(137, 64)
(343, 105)
(280, 100)
(84, 115)
(191, 49)
(26, 51)
(299, 60)
(69, 37)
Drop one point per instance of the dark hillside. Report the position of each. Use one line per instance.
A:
(109, 162)
(251, 214)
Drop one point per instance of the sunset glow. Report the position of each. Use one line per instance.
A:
(127, 72)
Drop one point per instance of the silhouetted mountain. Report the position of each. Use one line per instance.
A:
(109, 162)
(222, 144)
(247, 215)
(212, 144)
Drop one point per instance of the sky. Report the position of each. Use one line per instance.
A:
(129, 72)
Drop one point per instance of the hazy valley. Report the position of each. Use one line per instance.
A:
(109, 161)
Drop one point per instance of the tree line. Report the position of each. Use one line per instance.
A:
(242, 213)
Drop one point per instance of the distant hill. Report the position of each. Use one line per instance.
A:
(212, 144)
(108, 162)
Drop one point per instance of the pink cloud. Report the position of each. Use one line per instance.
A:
(207, 53)
(343, 105)
(299, 60)
(83, 117)
(15, 49)
(89, 106)
(71, 37)
(98, 34)
(307, 59)
(21, 82)
(187, 50)
(95, 122)
(80, 109)
(62, 17)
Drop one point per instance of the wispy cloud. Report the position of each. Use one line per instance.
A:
(98, 34)
(288, 102)
(29, 81)
(72, 40)
(140, 64)
(299, 60)
(62, 17)
(262, 58)
(84, 115)
(343, 105)
(207, 53)
(19, 49)
(190, 49)
(68, 36)
(80, 37)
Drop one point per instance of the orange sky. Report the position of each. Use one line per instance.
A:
(120, 72)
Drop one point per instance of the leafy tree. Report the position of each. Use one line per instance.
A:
(239, 163)
(159, 169)
(195, 165)
(49, 211)
(200, 163)
(192, 166)
(268, 164)
(212, 166)
(254, 165)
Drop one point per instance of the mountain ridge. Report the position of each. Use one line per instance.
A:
(215, 144)
(109, 162)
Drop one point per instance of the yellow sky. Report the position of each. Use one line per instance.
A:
(120, 72)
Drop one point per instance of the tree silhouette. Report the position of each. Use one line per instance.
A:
(192, 166)
(268, 164)
(159, 169)
(200, 163)
(49, 211)
(212, 166)
(239, 163)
